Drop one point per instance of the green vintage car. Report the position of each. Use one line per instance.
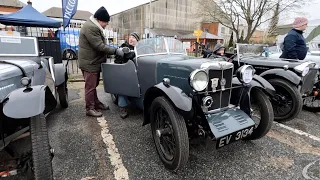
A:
(184, 97)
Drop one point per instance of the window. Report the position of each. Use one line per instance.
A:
(206, 30)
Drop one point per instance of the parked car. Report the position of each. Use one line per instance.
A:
(293, 80)
(31, 85)
(69, 43)
(185, 97)
(311, 102)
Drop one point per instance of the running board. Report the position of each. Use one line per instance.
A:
(230, 126)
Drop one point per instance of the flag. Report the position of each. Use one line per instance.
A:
(69, 8)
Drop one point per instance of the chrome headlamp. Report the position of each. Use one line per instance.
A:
(199, 80)
(245, 74)
(25, 81)
(303, 68)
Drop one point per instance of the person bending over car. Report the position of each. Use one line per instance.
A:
(123, 101)
(92, 52)
(294, 45)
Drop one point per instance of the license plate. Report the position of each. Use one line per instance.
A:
(236, 136)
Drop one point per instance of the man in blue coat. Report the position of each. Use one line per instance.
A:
(294, 45)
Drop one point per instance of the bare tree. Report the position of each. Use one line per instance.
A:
(274, 21)
(251, 13)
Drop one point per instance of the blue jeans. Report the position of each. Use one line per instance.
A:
(123, 101)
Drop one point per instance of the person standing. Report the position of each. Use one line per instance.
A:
(92, 53)
(294, 45)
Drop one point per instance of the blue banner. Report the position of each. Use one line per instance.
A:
(69, 8)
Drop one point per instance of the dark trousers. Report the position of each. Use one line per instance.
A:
(91, 83)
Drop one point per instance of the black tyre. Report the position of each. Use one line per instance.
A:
(114, 98)
(41, 154)
(69, 55)
(63, 95)
(287, 103)
(170, 134)
(262, 114)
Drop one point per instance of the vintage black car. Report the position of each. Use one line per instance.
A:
(293, 80)
(311, 102)
(30, 87)
(185, 97)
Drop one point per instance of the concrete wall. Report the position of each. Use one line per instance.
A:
(166, 14)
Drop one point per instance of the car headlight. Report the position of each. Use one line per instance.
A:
(303, 68)
(305, 71)
(245, 74)
(199, 80)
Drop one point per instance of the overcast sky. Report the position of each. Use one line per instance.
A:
(115, 6)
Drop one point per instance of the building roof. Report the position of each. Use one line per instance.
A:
(56, 12)
(12, 3)
(205, 35)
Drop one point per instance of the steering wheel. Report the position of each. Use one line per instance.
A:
(148, 47)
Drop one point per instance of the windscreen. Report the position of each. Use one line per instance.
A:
(18, 46)
(159, 45)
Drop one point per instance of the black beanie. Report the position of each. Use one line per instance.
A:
(136, 35)
(102, 14)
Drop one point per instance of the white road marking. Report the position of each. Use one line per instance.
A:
(297, 131)
(305, 171)
(120, 172)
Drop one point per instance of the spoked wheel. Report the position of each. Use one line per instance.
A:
(287, 103)
(262, 114)
(170, 134)
(114, 98)
(41, 150)
(63, 95)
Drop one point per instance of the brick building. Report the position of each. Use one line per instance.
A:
(10, 6)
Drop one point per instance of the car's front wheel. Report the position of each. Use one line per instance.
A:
(170, 134)
(262, 114)
(287, 103)
(41, 151)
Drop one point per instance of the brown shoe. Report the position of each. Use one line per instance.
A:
(94, 113)
(102, 107)
(123, 112)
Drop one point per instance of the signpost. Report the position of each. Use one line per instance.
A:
(198, 34)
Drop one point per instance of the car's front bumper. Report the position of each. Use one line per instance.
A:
(230, 126)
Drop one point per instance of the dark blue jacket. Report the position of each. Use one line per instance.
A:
(294, 46)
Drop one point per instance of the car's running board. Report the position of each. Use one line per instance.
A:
(230, 126)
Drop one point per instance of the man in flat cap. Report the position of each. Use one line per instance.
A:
(294, 45)
(92, 52)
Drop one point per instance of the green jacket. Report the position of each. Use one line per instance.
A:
(92, 48)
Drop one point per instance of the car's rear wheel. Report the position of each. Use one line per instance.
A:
(287, 103)
(262, 114)
(41, 150)
(63, 95)
(170, 134)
